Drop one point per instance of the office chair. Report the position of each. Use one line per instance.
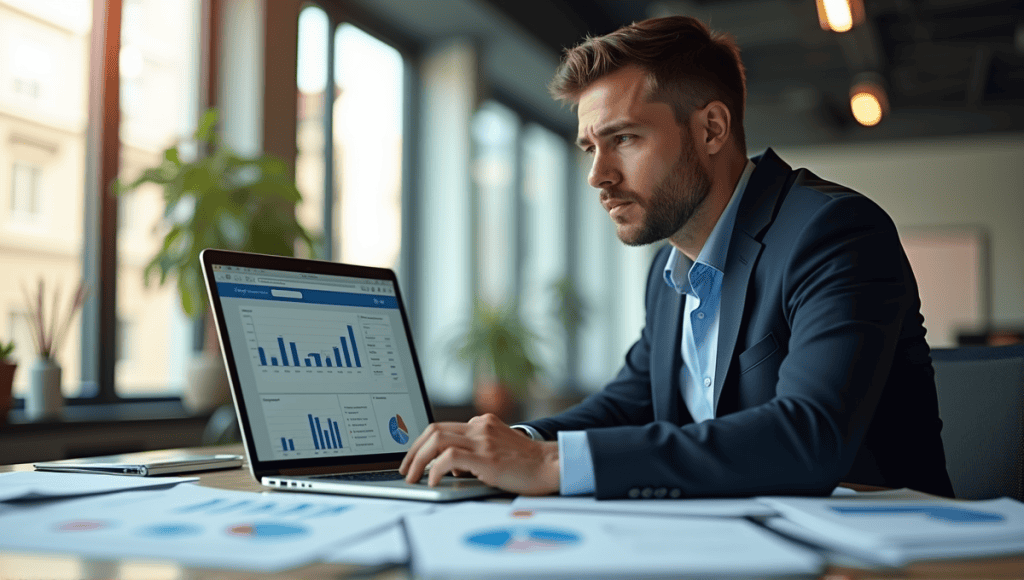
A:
(981, 404)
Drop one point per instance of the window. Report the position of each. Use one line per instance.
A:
(43, 85)
(349, 163)
(26, 202)
(159, 105)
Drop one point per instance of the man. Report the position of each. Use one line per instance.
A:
(784, 350)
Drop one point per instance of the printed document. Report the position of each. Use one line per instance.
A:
(480, 540)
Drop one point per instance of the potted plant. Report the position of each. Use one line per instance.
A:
(7, 368)
(48, 330)
(226, 201)
(498, 348)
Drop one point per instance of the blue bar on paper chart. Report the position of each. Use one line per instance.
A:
(309, 363)
(284, 354)
(312, 429)
(338, 433)
(316, 358)
(295, 354)
(291, 445)
(337, 356)
(344, 347)
(328, 439)
(263, 357)
(284, 443)
(355, 351)
(328, 362)
(320, 431)
(273, 361)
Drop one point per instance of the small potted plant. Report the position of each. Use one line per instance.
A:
(7, 368)
(220, 200)
(498, 348)
(44, 399)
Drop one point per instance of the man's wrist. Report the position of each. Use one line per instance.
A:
(529, 432)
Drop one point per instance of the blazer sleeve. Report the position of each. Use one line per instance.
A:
(627, 399)
(844, 296)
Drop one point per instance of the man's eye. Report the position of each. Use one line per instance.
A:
(622, 138)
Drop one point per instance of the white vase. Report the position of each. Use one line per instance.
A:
(206, 383)
(43, 399)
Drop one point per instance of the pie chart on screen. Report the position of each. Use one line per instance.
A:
(399, 432)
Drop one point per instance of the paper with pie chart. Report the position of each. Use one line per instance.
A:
(201, 526)
(488, 540)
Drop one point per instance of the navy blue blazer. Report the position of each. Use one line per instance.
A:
(822, 365)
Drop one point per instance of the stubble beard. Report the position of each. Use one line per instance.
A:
(673, 202)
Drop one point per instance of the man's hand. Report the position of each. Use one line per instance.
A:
(489, 449)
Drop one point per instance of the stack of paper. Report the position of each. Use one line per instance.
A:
(895, 532)
(201, 526)
(495, 541)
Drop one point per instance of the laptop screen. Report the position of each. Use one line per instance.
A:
(324, 365)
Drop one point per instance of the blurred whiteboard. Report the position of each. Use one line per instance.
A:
(951, 267)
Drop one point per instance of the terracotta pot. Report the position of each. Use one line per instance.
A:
(493, 397)
(6, 385)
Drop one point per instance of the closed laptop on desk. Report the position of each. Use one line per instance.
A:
(324, 376)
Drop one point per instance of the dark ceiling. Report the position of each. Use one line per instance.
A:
(951, 67)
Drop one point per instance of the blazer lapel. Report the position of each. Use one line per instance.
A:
(757, 209)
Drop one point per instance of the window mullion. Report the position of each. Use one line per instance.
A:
(99, 268)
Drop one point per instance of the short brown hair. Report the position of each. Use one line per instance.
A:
(689, 66)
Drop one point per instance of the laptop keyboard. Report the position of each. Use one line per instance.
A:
(369, 476)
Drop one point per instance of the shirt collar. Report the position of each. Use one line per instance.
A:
(716, 247)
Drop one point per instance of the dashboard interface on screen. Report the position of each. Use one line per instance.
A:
(324, 363)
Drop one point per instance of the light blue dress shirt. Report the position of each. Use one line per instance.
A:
(702, 285)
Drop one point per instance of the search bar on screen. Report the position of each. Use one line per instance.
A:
(286, 293)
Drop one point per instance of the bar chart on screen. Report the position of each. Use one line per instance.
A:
(318, 425)
(317, 351)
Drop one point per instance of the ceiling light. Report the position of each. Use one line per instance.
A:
(868, 101)
(840, 15)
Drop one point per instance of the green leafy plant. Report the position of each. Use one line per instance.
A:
(221, 200)
(569, 307)
(6, 350)
(498, 345)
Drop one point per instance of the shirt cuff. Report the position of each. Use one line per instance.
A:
(575, 465)
(530, 431)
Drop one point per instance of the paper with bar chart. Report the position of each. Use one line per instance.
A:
(200, 526)
(312, 351)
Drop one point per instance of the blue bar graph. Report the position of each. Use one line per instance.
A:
(290, 353)
(312, 427)
(323, 438)
(284, 443)
(291, 445)
(344, 347)
(284, 354)
(355, 351)
(320, 433)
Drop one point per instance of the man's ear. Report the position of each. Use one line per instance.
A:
(714, 123)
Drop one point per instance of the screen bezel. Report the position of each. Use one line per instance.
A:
(208, 259)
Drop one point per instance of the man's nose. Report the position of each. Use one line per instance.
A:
(603, 172)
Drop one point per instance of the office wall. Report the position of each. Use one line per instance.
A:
(963, 182)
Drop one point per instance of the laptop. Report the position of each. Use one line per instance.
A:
(324, 377)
